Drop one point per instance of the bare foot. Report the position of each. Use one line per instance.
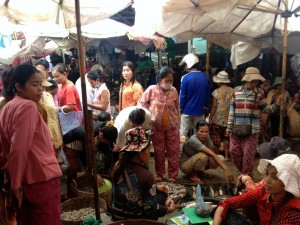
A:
(171, 179)
(158, 179)
(196, 179)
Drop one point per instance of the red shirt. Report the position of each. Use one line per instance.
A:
(68, 95)
(287, 208)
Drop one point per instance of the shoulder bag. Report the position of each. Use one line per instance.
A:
(244, 130)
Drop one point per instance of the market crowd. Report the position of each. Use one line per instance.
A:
(194, 130)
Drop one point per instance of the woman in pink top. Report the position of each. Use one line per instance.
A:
(26, 153)
(163, 104)
(130, 89)
(68, 97)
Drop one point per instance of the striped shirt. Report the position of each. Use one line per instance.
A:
(245, 108)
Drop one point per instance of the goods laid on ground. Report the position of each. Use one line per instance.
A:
(75, 210)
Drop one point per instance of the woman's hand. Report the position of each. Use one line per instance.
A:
(162, 188)
(229, 175)
(18, 195)
(171, 205)
(100, 180)
(228, 133)
(116, 148)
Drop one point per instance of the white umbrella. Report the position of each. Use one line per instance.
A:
(103, 29)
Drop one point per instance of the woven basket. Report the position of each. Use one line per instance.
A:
(84, 181)
(294, 122)
(79, 203)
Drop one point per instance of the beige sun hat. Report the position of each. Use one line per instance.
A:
(252, 73)
(190, 60)
(97, 67)
(288, 168)
(45, 83)
(221, 77)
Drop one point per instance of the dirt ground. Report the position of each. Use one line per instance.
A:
(217, 176)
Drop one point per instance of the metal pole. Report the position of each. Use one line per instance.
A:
(207, 57)
(283, 103)
(88, 120)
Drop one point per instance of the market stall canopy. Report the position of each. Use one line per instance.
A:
(103, 29)
(49, 18)
(61, 12)
(223, 22)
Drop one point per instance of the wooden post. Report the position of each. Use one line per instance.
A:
(207, 58)
(283, 104)
(88, 120)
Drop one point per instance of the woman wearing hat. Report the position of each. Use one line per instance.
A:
(135, 193)
(274, 118)
(243, 123)
(219, 112)
(101, 100)
(278, 201)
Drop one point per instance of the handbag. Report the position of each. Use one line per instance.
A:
(244, 130)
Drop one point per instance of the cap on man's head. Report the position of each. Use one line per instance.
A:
(190, 60)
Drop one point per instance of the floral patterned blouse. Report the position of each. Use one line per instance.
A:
(158, 101)
(130, 94)
(223, 96)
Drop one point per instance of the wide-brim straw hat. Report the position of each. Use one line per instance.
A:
(288, 171)
(252, 73)
(221, 77)
(277, 81)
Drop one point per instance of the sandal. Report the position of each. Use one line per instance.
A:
(158, 179)
(171, 179)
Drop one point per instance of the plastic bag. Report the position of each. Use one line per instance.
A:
(62, 160)
(203, 209)
(69, 121)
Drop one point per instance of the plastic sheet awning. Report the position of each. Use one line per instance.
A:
(225, 23)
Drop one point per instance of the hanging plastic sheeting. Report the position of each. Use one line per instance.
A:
(222, 22)
(105, 28)
(60, 12)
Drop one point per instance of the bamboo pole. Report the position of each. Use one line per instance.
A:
(283, 103)
(207, 66)
(88, 120)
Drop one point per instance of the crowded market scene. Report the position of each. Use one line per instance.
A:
(133, 112)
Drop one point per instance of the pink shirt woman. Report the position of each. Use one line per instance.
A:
(163, 104)
(27, 156)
